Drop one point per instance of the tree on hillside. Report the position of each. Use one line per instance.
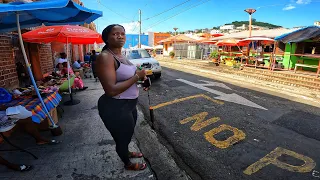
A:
(256, 23)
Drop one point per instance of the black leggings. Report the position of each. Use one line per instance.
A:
(120, 117)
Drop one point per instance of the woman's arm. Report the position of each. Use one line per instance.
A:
(106, 72)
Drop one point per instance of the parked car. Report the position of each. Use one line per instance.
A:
(142, 57)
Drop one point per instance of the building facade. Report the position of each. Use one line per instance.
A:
(227, 27)
(155, 37)
(133, 40)
(317, 23)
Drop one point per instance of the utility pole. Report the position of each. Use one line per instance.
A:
(175, 34)
(139, 43)
(250, 12)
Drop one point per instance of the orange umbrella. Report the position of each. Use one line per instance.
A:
(206, 41)
(63, 34)
(227, 42)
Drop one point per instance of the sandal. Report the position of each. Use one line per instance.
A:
(24, 168)
(51, 142)
(136, 166)
(135, 155)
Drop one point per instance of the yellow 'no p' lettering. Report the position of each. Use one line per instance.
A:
(199, 121)
(272, 158)
(238, 135)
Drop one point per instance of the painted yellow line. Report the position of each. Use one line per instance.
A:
(199, 121)
(188, 98)
(238, 135)
(272, 158)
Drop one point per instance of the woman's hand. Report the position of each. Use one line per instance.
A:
(141, 74)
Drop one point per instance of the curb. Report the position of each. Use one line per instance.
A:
(158, 156)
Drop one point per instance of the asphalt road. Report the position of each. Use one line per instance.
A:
(221, 131)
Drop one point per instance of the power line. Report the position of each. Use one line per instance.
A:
(114, 11)
(167, 10)
(136, 13)
(190, 7)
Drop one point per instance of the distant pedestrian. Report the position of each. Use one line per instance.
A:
(92, 61)
(117, 107)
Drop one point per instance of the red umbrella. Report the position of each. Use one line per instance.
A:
(217, 35)
(264, 40)
(63, 34)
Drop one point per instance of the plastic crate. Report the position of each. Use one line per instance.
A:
(5, 96)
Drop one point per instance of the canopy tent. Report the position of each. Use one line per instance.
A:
(53, 12)
(310, 32)
(64, 34)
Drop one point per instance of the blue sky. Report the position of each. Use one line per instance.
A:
(208, 13)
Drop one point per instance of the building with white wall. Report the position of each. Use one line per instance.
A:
(227, 27)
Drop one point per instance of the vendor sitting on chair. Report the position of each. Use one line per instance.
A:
(63, 71)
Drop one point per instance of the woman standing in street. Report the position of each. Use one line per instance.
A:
(117, 107)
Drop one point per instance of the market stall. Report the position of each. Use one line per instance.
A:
(64, 34)
(17, 15)
(257, 57)
(302, 49)
(230, 51)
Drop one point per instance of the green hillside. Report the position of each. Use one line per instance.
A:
(254, 22)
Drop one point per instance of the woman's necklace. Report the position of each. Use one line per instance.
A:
(115, 54)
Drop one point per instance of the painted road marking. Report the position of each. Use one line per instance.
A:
(223, 96)
(200, 123)
(211, 83)
(272, 158)
(316, 174)
(238, 135)
(188, 98)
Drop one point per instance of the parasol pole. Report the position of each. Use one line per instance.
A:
(68, 64)
(71, 101)
(30, 73)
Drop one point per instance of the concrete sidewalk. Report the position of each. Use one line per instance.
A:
(87, 150)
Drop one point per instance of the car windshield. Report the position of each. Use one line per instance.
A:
(138, 54)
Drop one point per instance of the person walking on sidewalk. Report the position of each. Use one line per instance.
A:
(92, 61)
(117, 107)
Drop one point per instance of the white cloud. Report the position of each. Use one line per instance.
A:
(131, 28)
(303, 1)
(288, 7)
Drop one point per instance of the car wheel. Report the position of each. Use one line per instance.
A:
(157, 76)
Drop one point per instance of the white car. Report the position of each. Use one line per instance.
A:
(140, 57)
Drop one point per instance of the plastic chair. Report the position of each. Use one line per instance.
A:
(64, 87)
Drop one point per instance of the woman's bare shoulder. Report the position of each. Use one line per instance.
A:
(104, 57)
